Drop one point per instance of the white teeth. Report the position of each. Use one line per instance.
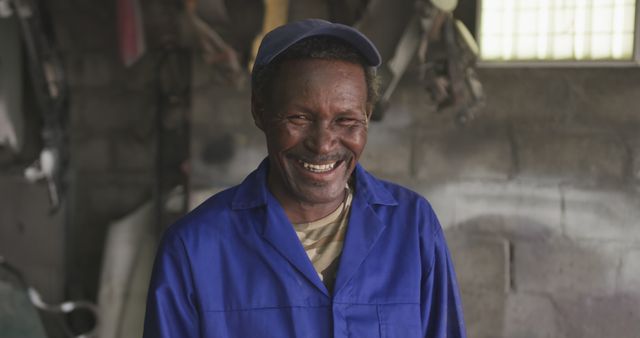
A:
(318, 168)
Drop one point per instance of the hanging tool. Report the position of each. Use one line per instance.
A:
(51, 94)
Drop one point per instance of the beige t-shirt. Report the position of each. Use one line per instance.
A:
(323, 240)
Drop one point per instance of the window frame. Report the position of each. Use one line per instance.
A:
(633, 62)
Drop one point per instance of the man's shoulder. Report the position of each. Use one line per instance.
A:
(409, 208)
(211, 213)
(400, 193)
(400, 190)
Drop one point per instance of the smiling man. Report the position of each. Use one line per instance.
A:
(310, 244)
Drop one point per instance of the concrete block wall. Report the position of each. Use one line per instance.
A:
(111, 130)
(539, 196)
(557, 187)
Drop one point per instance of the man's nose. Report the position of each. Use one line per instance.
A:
(321, 139)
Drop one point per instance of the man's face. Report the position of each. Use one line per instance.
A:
(316, 129)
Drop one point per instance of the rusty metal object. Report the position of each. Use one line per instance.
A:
(215, 50)
(224, 43)
(390, 26)
(448, 58)
(446, 51)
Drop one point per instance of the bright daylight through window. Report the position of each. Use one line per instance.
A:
(571, 30)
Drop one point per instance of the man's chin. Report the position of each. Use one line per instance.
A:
(322, 196)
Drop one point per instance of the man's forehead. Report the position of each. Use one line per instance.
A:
(302, 83)
(310, 70)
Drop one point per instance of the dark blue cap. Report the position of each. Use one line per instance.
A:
(283, 37)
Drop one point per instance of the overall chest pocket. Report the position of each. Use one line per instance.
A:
(399, 320)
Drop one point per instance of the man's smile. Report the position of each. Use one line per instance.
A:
(319, 167)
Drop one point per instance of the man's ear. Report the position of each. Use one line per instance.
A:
(257, 111)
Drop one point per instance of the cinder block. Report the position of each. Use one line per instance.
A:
(133, 154)
(515, 315)
(91, 154)
(562, 267)
(85, 26)
(556, 95)
(570, 157)
(599, 316)
(481, 262)
(484, 313)
(99, 198)
(629, 281)
(598, 214)
(388, 151)
(517, 202)
(106, 109)
(606, 94)
(530, 315)
(104, 68)
(511, 228)
(543, 96)
(115, 199)
(141, 75)
(464, 154)
(90, 68)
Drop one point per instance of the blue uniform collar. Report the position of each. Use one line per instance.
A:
(253, 191)
(363, 231)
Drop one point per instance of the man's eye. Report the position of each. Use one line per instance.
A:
(347, 121)
(298, 119)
